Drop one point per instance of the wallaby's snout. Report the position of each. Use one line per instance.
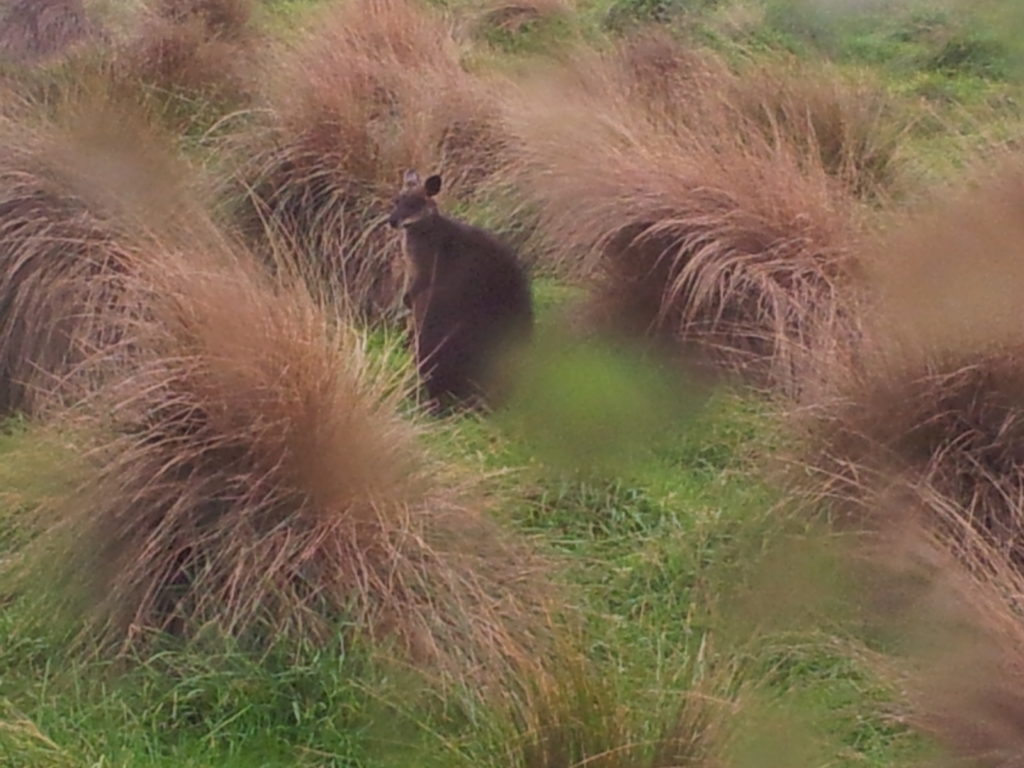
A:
(414, 202)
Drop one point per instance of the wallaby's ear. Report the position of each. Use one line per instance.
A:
(410, 178)
(432, 185)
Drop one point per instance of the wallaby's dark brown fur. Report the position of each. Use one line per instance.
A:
(469, 296)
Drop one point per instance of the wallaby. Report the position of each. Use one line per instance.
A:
(469, 296)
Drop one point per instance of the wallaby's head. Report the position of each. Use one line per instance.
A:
(414, 203)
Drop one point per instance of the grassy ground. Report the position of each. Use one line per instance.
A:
(651, 541)
(648, 554)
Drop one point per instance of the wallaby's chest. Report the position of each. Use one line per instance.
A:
(431, 261)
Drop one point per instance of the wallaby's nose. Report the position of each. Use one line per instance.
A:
(393, 222)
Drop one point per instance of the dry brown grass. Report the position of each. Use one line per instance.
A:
(250, 474)
(580, 716)
(699, 227)
(847, 124)
(35, 30)
(921, 442)
(851, 126)
(375, 89)
(81, 185)
(512, 15)
(950, 626)
(195, 47)
(935, 404)
(954, 629)
(187, 63)
(950, 429)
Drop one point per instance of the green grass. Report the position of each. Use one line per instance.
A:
(646, 556)
(285, 16)
(190, 707)
(958, 65)
(657, 542)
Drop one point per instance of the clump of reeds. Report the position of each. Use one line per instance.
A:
(81, 186)
(933, 405)
(249, 474)
(377, 88)
(698, 226)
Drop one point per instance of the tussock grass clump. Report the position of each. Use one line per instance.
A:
(697, 227)
(945, 431)
(376, 89)
(954, 630)
(934, 409)
(187, 63)
(193, 47)
(510, 17)
(80, 189)
(578, 718)
(35, 30)
(654, 62)
(849, 125)
(251, 475)
(852, 127)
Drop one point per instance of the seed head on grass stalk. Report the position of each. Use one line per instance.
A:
(250, 476)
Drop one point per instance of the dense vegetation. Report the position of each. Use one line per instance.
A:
(756, 498)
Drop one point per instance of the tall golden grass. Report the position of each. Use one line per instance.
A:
(698, 226)
(377, 88)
